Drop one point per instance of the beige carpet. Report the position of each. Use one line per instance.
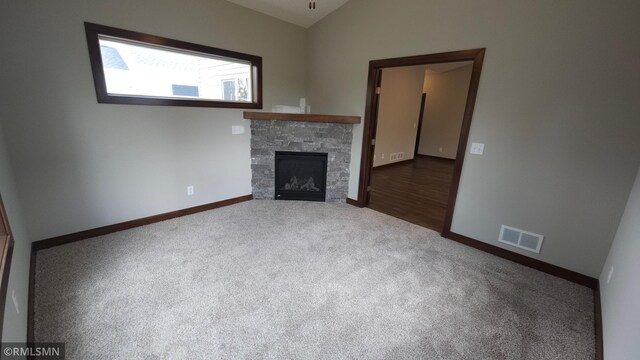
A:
(301, 280)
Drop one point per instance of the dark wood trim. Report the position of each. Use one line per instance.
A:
(391, 164)
(86, 234)
(445, 57)
(31, 296)
(423, 102)
(524, 260)
(5, 269)
(435, 157)
(6, 252)
(342, 119)
(92, 32)
(369, 125)
(597, 302)
(350, 201)
(368, 133)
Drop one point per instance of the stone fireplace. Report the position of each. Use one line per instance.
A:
(291, 136)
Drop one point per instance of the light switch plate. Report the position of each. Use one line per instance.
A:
(477, 148)
(237, 129)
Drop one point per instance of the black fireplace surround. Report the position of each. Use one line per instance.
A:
(300, 176)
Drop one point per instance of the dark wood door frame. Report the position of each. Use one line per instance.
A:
(375, 79)
(423, 103)
(6, 249)
(371, 115)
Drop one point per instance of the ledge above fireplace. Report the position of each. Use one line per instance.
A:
(340, 119)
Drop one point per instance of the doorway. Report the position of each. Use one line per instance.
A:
(399, 177)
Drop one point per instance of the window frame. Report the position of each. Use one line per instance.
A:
(6, 250)
(93, 31)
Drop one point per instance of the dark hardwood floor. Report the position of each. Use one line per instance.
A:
(416, 191)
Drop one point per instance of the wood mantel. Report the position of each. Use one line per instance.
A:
(254, 115)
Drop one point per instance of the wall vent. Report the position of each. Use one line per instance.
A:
(520, 238)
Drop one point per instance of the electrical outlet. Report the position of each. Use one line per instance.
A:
(477, 148)
(610, 275)
(393, 157)
(400, 156)
(190, 190)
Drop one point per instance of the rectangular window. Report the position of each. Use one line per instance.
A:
(135, 68)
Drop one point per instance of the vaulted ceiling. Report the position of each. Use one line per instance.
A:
(293, 11)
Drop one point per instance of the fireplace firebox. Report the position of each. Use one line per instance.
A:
(300, 176)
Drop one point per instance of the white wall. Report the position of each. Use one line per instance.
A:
(80, 164)
(620, 312)
(557, 108)
(444, 111)
(398, 112)
(68, 163)
(15, 319)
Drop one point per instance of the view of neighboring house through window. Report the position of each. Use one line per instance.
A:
(229, 89)
(135, 68)
(185, 90)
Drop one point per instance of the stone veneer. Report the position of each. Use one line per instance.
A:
(269, 136)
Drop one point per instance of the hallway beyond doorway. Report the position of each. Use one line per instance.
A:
(416, 191)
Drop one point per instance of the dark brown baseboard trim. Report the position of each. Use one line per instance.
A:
(350, 201)
(525, 260)
(598, 323)
(391, 164)
(434, 157)
(86, 234)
